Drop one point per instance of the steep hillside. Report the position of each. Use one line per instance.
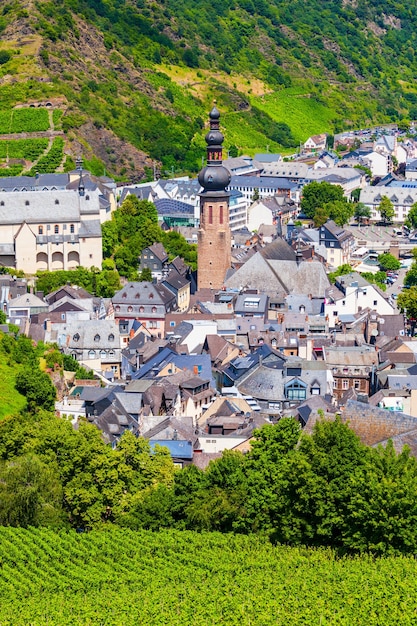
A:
(137, 77)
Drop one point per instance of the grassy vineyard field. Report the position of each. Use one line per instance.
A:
(49, 162)
(25, 120)
(29, 149)
(120, 577)
(303, 114)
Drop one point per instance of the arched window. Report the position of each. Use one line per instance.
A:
(210, 214)
(72, 228)
(111, 337)
(221, 214)
(40, 230)
(56, 201)
(129, 309)
(154, 309)
(76, 337)
(56, 229)
(117, 309)
(103, 354)
(141, 309)
(97, 337)
(92, 354)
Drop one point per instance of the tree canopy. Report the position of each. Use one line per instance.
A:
(318, 195)
(386, 210)
(388, 262)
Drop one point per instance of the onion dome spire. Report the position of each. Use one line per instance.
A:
(214, 177)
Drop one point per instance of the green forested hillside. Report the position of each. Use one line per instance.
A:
(137, 77)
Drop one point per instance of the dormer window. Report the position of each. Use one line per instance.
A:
(56, 201)
(27, 202)
(129, 309)
(87, 197)
(97, 337)
(76, 337)
(124, 294)
(151, 296)
(2, 203)
(142, 309)
(154, 309)
(111, 337)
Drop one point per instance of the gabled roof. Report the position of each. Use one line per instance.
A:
(159, 251)
(143, 292)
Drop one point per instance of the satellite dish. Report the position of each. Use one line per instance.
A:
(374, 333)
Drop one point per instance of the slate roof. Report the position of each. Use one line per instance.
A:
(131, 402)
(32, 183)
(31, 207)
(143, 292)
(27, 300)
(175, 280)
(93, 334)
(159, 251)
(274, 270)
(171, 427)
(269, 182)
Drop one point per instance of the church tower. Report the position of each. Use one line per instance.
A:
(214, 241)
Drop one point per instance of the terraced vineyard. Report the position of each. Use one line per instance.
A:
(25, 120)
(30, 154)
(121, 577)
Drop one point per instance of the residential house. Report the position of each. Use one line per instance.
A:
(196, 395)
(154, 258)
(270, 211)
(145, 302)
(339, 243)
(350, 295)
(252, 305)
(352, 368)
(180, 287)
(25, 306)
(95, 344)
(315, 143)
(411, 169)
(277, 386)
(243, 165)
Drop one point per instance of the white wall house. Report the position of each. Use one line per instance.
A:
(352, 294)
(401, 197)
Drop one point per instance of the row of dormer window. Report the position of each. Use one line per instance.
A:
(56, 229)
